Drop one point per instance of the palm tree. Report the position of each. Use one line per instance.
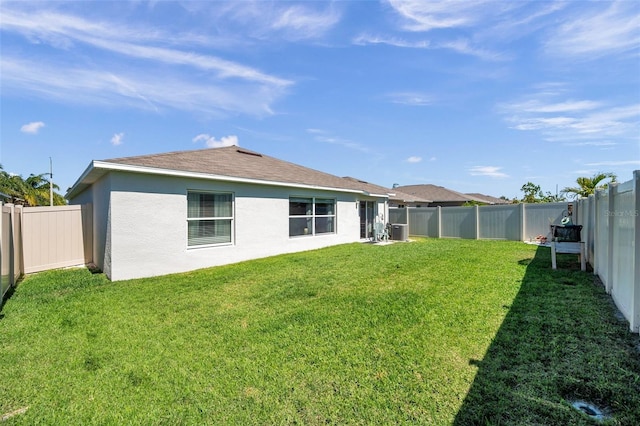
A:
(588, 185)
(32, 191)
(12, 186)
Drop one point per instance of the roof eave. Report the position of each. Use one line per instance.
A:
(97, 169)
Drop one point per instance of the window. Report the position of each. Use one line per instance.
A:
(309, 216)
(209, 218)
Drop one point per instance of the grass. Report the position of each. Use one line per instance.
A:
(432, 332)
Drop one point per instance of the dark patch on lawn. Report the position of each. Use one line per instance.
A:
(92, 363)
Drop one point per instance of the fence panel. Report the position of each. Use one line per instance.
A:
(623, 243)
(500, 222)
(56, 237)
(601, 240)
(458, 222)
(539, 217)
(397, 215)
(423, 221)
(5, 250)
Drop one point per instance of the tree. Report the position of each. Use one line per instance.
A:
(588, 185)
(32, 191)
(533, 194)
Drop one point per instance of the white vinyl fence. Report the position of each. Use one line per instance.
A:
(516, 222)
(612, 223)
(40, 238)
(10, 247)
(611, 233)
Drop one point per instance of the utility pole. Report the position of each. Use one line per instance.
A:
(50, 182)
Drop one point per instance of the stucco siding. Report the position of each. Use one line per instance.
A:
(148, 224)
(98, 195)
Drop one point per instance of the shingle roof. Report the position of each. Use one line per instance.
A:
(435, 193)
(241, 163)
(489, 199)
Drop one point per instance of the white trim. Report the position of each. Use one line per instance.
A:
(231, 218)
(313, 216)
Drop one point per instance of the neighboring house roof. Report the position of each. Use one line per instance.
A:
(228, 163)
(437, 194)
(402, 197)
(489, 199)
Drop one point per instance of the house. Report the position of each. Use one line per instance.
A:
(180, 211)
(427, 195)
(402, 199)
(488, 198)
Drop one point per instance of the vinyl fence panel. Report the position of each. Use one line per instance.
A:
(397, 215)
(539, 217)
(423, 221)
(458, 222)
(56, 237)
(500, 222)
(5, 250)
(623, 253)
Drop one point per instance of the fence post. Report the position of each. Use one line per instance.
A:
(2, 259)
(596, 232)
(439, 221)
(477, 213)
(523, 225)
(610, 224)
(591, 231)
(17, 232)
(12, 245)
(635, 314)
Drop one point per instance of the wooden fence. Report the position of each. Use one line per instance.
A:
(40, 238)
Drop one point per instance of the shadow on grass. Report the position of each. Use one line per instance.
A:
(560, 343)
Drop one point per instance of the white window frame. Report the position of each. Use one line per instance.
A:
(231, 219)
(313, 215)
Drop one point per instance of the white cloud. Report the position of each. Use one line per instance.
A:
(302, 22)
(273, 20)
(325, 137)
(212, 142)
(461, 45)
(32, 128)
(225, 86)
(422, 15)
(138, 89)
(466, 47)
(490, 171)
(365, 39)
(572, 121)
(117, 139)
(594, 33)
(411, 98)
(414, 159)
(615, 163)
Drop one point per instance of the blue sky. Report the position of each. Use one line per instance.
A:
(476, 96)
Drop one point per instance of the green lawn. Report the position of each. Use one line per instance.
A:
(429, 332)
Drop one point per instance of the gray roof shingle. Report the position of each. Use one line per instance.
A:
(237, 162)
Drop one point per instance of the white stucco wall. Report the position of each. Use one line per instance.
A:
(98, 195)
(146, 226)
